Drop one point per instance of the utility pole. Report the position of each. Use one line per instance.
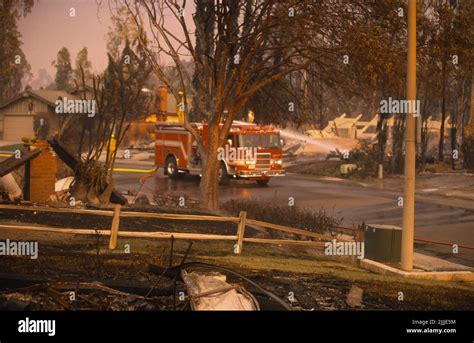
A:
(408, 232)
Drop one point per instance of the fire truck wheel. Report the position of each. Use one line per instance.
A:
(263, 182)
(171, 167)
(223, 176)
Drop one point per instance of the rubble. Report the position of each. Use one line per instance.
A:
(354, 297)
(72, 162)
(142, 200)
(212, 292)
(202, 285)
(205, 291)
(78, 296)
(63, 184)
(9, 186)
(62, 194)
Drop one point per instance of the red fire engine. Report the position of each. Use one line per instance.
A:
(251, 152)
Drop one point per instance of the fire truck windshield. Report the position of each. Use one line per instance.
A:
(260, 141)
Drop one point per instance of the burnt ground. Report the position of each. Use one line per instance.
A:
(317, 283)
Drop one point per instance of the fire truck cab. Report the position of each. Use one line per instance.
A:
(251, 152)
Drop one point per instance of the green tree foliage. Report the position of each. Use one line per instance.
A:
(122, 30)
(82, 62)
(63, 69)
(13, 64)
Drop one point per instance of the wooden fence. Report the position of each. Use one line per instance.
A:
(242, 222)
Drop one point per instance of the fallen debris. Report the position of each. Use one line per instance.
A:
(75, 296)
(63, 184)
(211, 292)
(354, 297)
(72, 162)
(142, 200)
(13, 162)
(175, 273)
(10, 187)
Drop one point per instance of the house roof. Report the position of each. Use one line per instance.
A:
(80, 88)
(47, 96)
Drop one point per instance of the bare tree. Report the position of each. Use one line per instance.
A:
(119, 100)
(237, 48)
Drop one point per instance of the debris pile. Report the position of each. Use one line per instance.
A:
(212, 292)
(9, 188)
(62, 194)
(193, 286)
(75, 297)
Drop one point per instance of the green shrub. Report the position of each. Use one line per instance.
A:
(282, 214)
(364, 156)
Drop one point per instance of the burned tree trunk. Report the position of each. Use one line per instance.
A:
(209, 183)
(468, 139)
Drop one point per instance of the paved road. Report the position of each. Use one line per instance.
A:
(444, 206)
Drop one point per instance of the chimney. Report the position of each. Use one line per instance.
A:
(163, 98)
(42, 173)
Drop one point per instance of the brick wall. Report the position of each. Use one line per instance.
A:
(42, 173)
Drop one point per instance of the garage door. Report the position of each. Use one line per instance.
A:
(16, 127)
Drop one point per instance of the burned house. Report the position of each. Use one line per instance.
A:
(31, 114)
(364, 127)
(163, 109)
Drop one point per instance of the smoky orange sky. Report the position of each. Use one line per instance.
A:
(49, 27)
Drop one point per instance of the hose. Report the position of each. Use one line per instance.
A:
(131, 170)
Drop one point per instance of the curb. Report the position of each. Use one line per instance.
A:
(383, 269)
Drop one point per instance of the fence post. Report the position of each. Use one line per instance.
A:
(360, 234)
(360, 237)
(241, 231)
(115, 227)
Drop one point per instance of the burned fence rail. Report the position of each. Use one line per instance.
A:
(117, 214)
(13, 162)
